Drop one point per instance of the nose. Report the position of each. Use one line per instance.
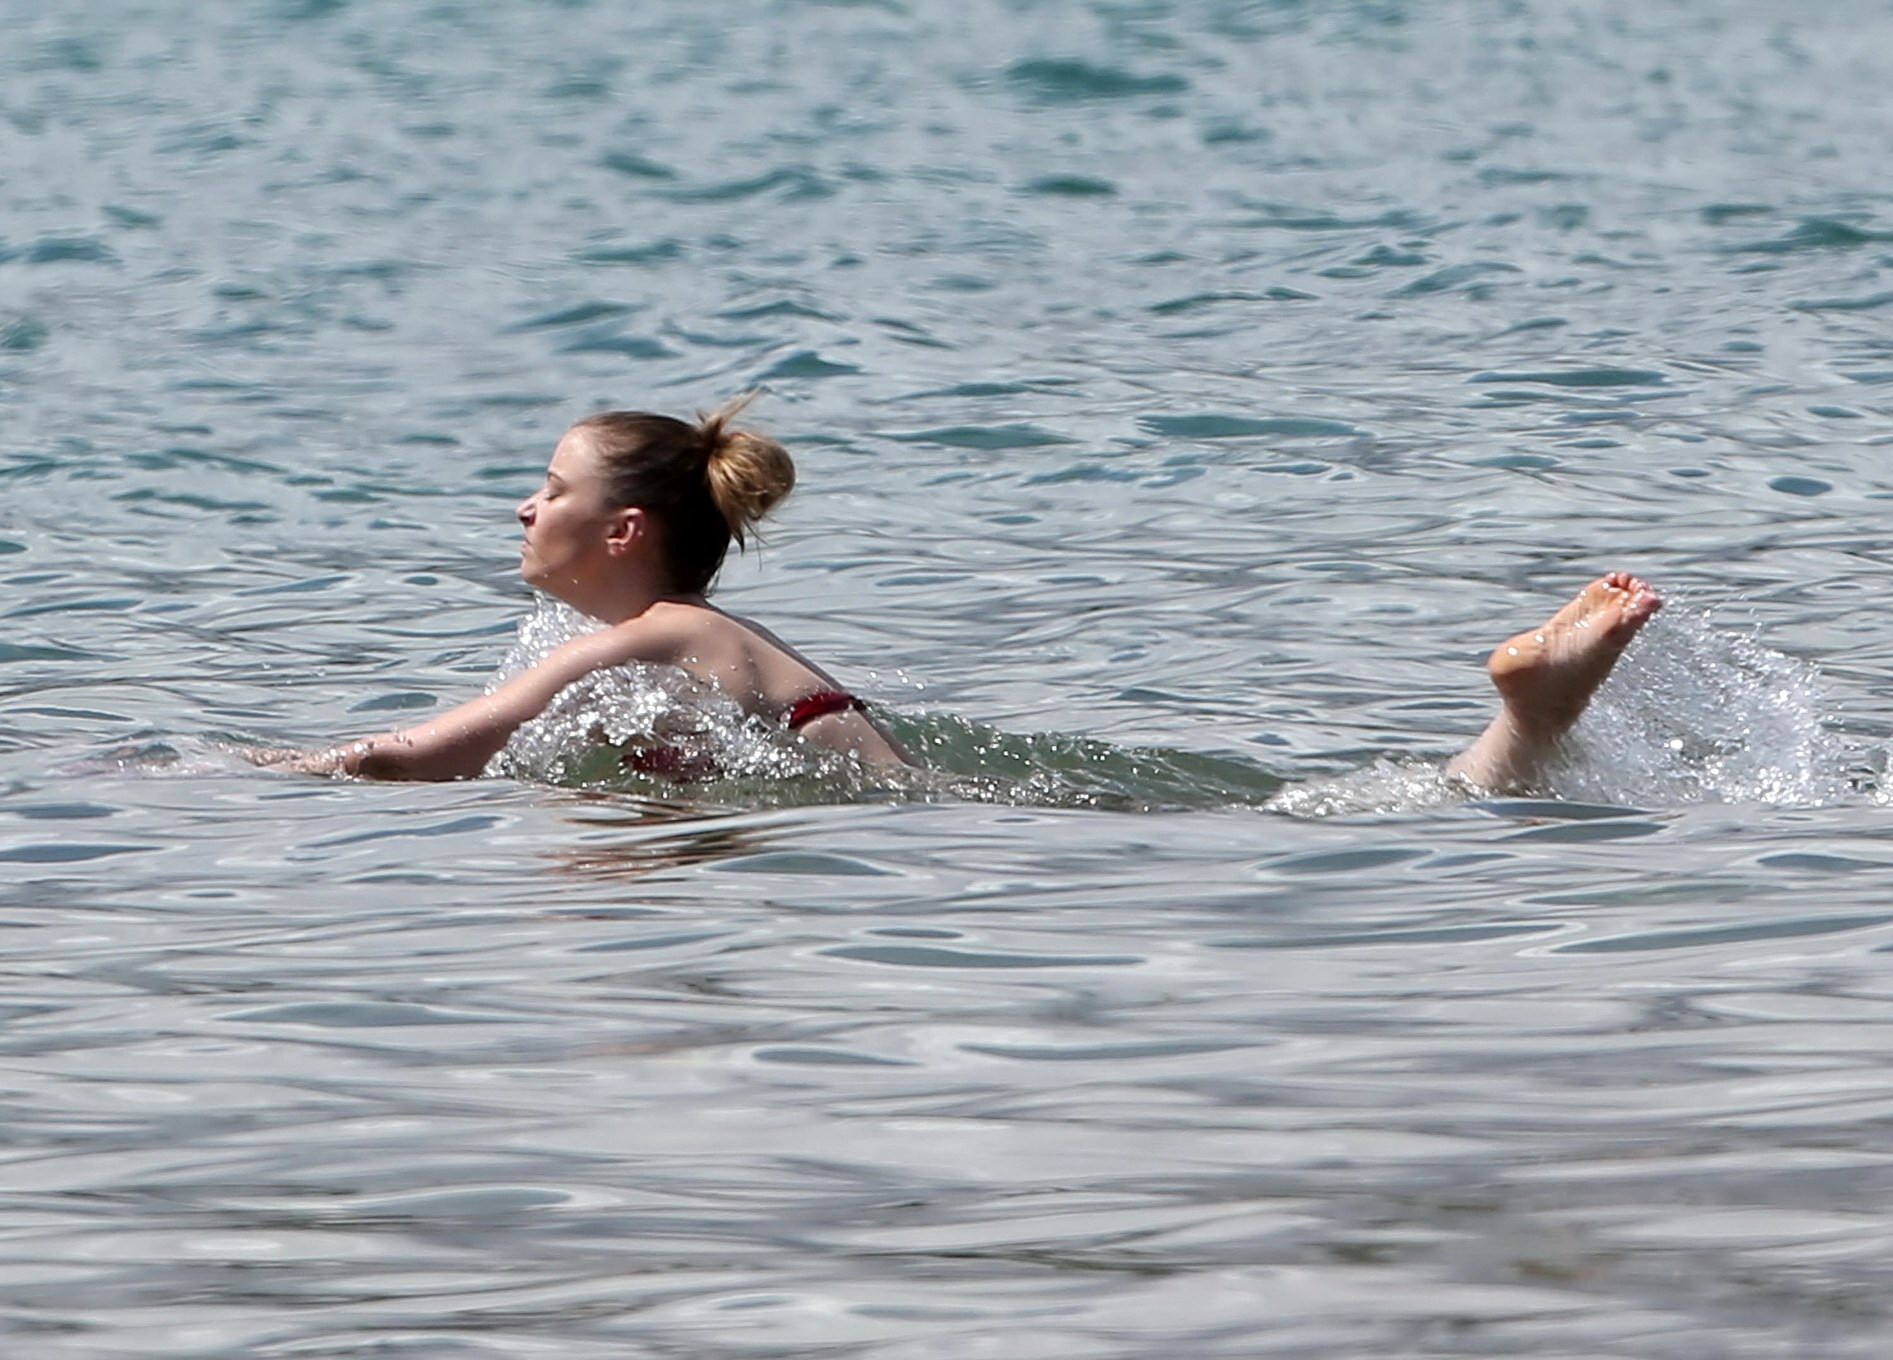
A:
(527, 508)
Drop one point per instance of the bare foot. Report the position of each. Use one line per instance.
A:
(1547, 675)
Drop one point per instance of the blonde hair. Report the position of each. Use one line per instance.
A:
(704, 484)
(749, 473)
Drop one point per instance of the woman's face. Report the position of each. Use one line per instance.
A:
(569, 523)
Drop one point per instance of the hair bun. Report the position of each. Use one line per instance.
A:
(748, 473)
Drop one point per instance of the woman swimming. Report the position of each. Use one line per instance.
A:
(630, 527)
(633, 522)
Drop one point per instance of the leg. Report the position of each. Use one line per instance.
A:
(1546, 676)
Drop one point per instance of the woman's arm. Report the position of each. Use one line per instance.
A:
(459, 743)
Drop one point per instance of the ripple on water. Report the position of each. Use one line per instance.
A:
(1070, 186)
(578, 314)
(613, 342)
(1702, 937)
(22, 334)
(650, 252)
(990, 437)
(1196, 302)
(1219, 425)
(788, 184)
(934, 956)
(66, 250)
(68, 852)
(1868, 302)
(636, 166)
(1818, 234)
(1579, 377)
(1074, 81)
(1474, 279)
(357, 1015)
(806, 364)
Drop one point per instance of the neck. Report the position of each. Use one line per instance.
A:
(616, 601)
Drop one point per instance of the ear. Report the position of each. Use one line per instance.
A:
(627, 528)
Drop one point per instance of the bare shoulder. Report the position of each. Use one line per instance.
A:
(745, 660)
(770, 648)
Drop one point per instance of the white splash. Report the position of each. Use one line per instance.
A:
(1696, 713)
(1384, 787)
(597, 728)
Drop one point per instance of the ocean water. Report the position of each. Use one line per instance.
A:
(1186, 395)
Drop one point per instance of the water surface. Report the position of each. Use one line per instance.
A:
(1197, 377)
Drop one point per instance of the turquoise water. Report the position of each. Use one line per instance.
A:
(1185, 396)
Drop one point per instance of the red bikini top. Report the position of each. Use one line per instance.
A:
(674, 763)
(819, 705)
